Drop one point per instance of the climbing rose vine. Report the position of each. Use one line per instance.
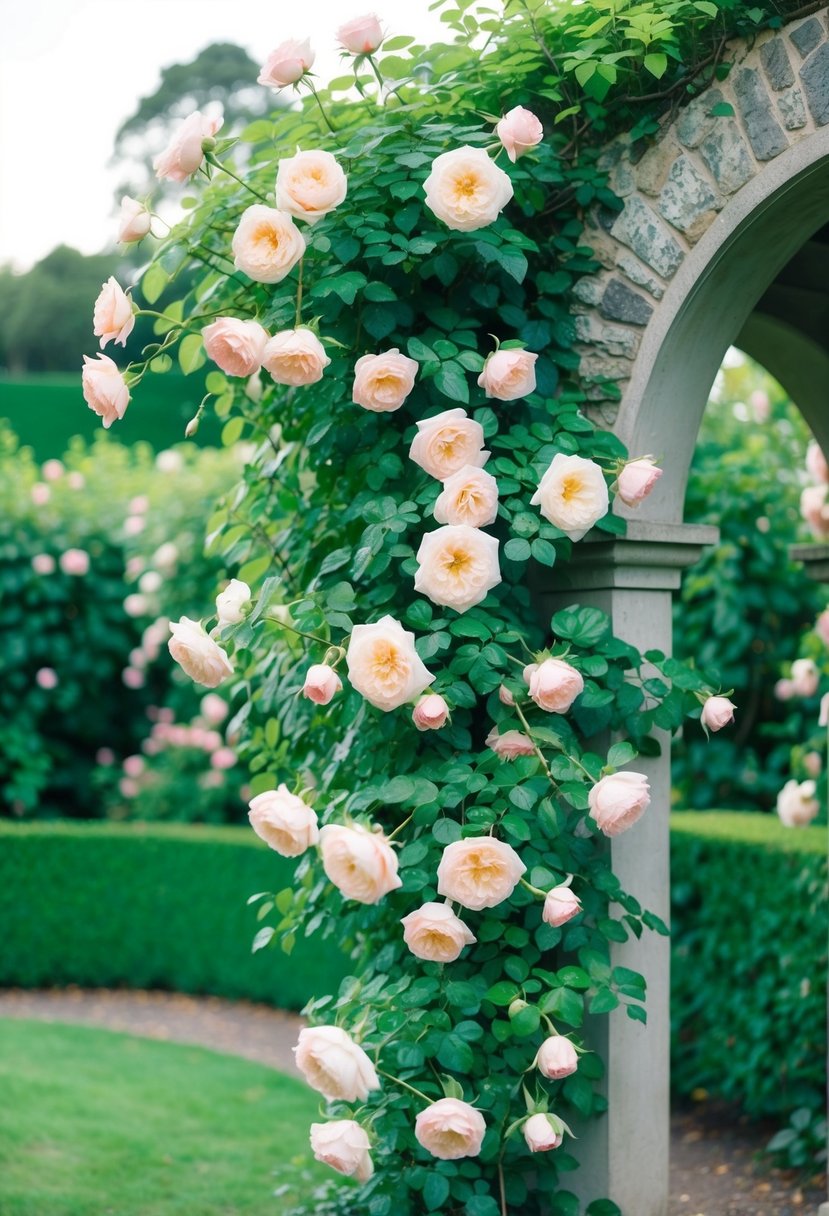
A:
(380, 288)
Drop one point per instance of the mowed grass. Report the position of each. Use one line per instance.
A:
(94, 1123)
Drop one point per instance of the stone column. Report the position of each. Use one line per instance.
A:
(624, 1154)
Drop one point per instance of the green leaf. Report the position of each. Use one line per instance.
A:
(621, 753)
(604, 1001)
(502, 993)
(191, 354)
(656, 63)
(153, 282)
(232, 430)
(435, 1191)
(263, 938)
(517, 549)
(451, 380)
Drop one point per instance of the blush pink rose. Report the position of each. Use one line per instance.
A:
(310, 185)
(295, 357)
(266, 244)
(40, 493)
(53, 470)
(510, 745)
(334, 1065)
(233, 604)
(447, 443)
(505, 696)
(434, 933)
(43, 563)
(104, 389)
(508, 375)
(717, 712)
(816, 465)
(560, 905)
(760, 405)
(572, 495)
(805, 677)
(344, 1145)
(46, 678)
(814, 509)
(480, 872)
(554, 685)
(636, 481)
(74, 562)
(383, 382)
(541, 1135)
(797, 805)
(214, 708)
(813, 763)
(457, 566)
(784, 690)
(431, 712)
(618, 800)
(133, 677)
(469, 497)
(235, 346)
(113, 318)
(133, 221)
(450, 1129)
(184, 153)
(556, 1058)
(362, 865)
(519, 131)
(321, 684)
(466, 189)
(197, 654)
(287, 64)
(223, 758)
(384, 666)
(361, 36)
(285, 823)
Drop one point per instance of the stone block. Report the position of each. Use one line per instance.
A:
(595, 366)
(792, 110)
(589, 289)
(807, 36)
(775, 60)
(620, 303)
(814, 76)
(651, 172)
(633, 269)
(726, 156)
(644, 232)
(615, 340)
(687, 200)
(696, 120)
(766, 136)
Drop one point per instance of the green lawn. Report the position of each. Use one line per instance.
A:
(94, 1123)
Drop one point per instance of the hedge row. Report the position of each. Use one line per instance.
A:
(147, 906)
(750, 961)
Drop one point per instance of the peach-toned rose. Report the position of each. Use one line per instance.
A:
(104, 389)
(235, 346)
(479, 872)
(450, 1129)
(232, 603)
(466, 189)
(433, 932)
(321, 684)
(266, 244)
(384, 666)
(519, 131)
(343, 1145)
(541, 1135)
(508, 375)
(134, 221)
(431, 712)
(287, 64)
(183, 154)
(805, 677)
(556, 1058)
(510, 745)
(198, 654)
(361, 864)
(75, 562)
(447, 443)
(113, 318)
(717, 712)
(572, 495)
(334, 1065)
(383, 382)
(457, 566)
(618, 800)
(797, 805)
(296, 357)
(560, 905)
(285, 823)
(469, 497)
(361, 36)
(816, 465)
(636, 481)
(815, 509)
(309, 185)
(554, 685)
(43, 563)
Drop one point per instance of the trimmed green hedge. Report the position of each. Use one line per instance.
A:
(750, 961)
(147, 906)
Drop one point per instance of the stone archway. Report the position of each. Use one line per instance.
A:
(707, 252)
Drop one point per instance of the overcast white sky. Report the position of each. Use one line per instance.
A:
(72, 70)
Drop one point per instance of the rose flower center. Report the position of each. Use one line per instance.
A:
(388, 665)
(466, 186)
(267, 236)
(571, 487)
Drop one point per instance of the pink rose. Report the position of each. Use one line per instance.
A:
(53, 470)
(46, 678)
(784, 690)
(717, 712)
(383, 382)
(457, 566)
(198, 654)
(823, 718)
(134, 766)
(40, 493)
(361, 36)
(431, 712)
(470, 497)
(334, 1065)
(510, 745)
(105, 756)
(266, 244)
(447, 443)
(235, 346)
(508, 375)
(556, 1058)
(813, 763)
(113, 318)
(133, 678)
(74, 562)
(505, 696)
(560, 905)
(519, 131)
(572, 495)
(554, 685)
(466, 189)
(814, 509)
(636, 481)
(223, 758)
(479, 872)
(433, 932)
(361, 864)
(321, 684)
(43, 563)
(805, 678)
(76, 480)
(104, 389)
(618, 800)
(139, 505)
(134, 524)
(295, 357)
(133, 221)
(384, 666)
(310, 185)
(816, 465)
(184, 153)
(797, 805)
(344, 1145)
(540, 1134)
(450, 1129)
(287, 64)
(760, 405)
(285, 823)
(213, 707)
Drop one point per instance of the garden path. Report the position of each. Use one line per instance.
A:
(712, 1153)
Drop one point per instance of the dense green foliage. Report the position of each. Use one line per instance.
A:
(750, 969)
(94, 1122)
(145, 907)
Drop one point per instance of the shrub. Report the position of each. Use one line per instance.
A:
(146, 907)
(749, 967)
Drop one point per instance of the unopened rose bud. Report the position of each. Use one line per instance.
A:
(431, 712)
(192, 427)
(233, 603)
(208, 144)
(505, 696)
(321, 684)
(560, 905)
(542, 1134)
(717, 712)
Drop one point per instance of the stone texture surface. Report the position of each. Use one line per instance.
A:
(620, 303)
(815, 78)
(696, 120)
(637, 273)
(792, 110)
(687, 201)
(807, 36)
(765, 134)
(727, 157)
(775, 60)
(643, 231)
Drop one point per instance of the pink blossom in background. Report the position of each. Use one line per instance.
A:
(138, 505)
(134, 524)
(822, 626)
(75, 562)
(43, 563)
(52, 470)
(760, 405)
(784, 690)
(40, 493)
(47, 678)
(138, 658)
(214, 779)
(135, 605)
(813, 763)
(149, 582)
(105, 756)
(816, 465)
(134, 766)
(165, 714)
(134, 567)
(214, 708)
(132, 677)
(128, 787)
(76, 481)
(223, 758)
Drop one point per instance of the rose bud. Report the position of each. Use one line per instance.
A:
(556, 1058)
(321, 684)
(636, 481)
(113, 317)
(184, 154)
(505, 696)
(540, 1134)
(287, 64)
(717, 712)
(362, 36)
(519, 131)
(554, 685)
(805, 677)
(508, 375)
(796, 804)
(431, 712)
(510, 745)
(233, 602)
(450, 1129)
(617, 801)
(560, 905)
(198, 654)
(133, 221)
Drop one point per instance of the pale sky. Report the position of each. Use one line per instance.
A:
(72, 70)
